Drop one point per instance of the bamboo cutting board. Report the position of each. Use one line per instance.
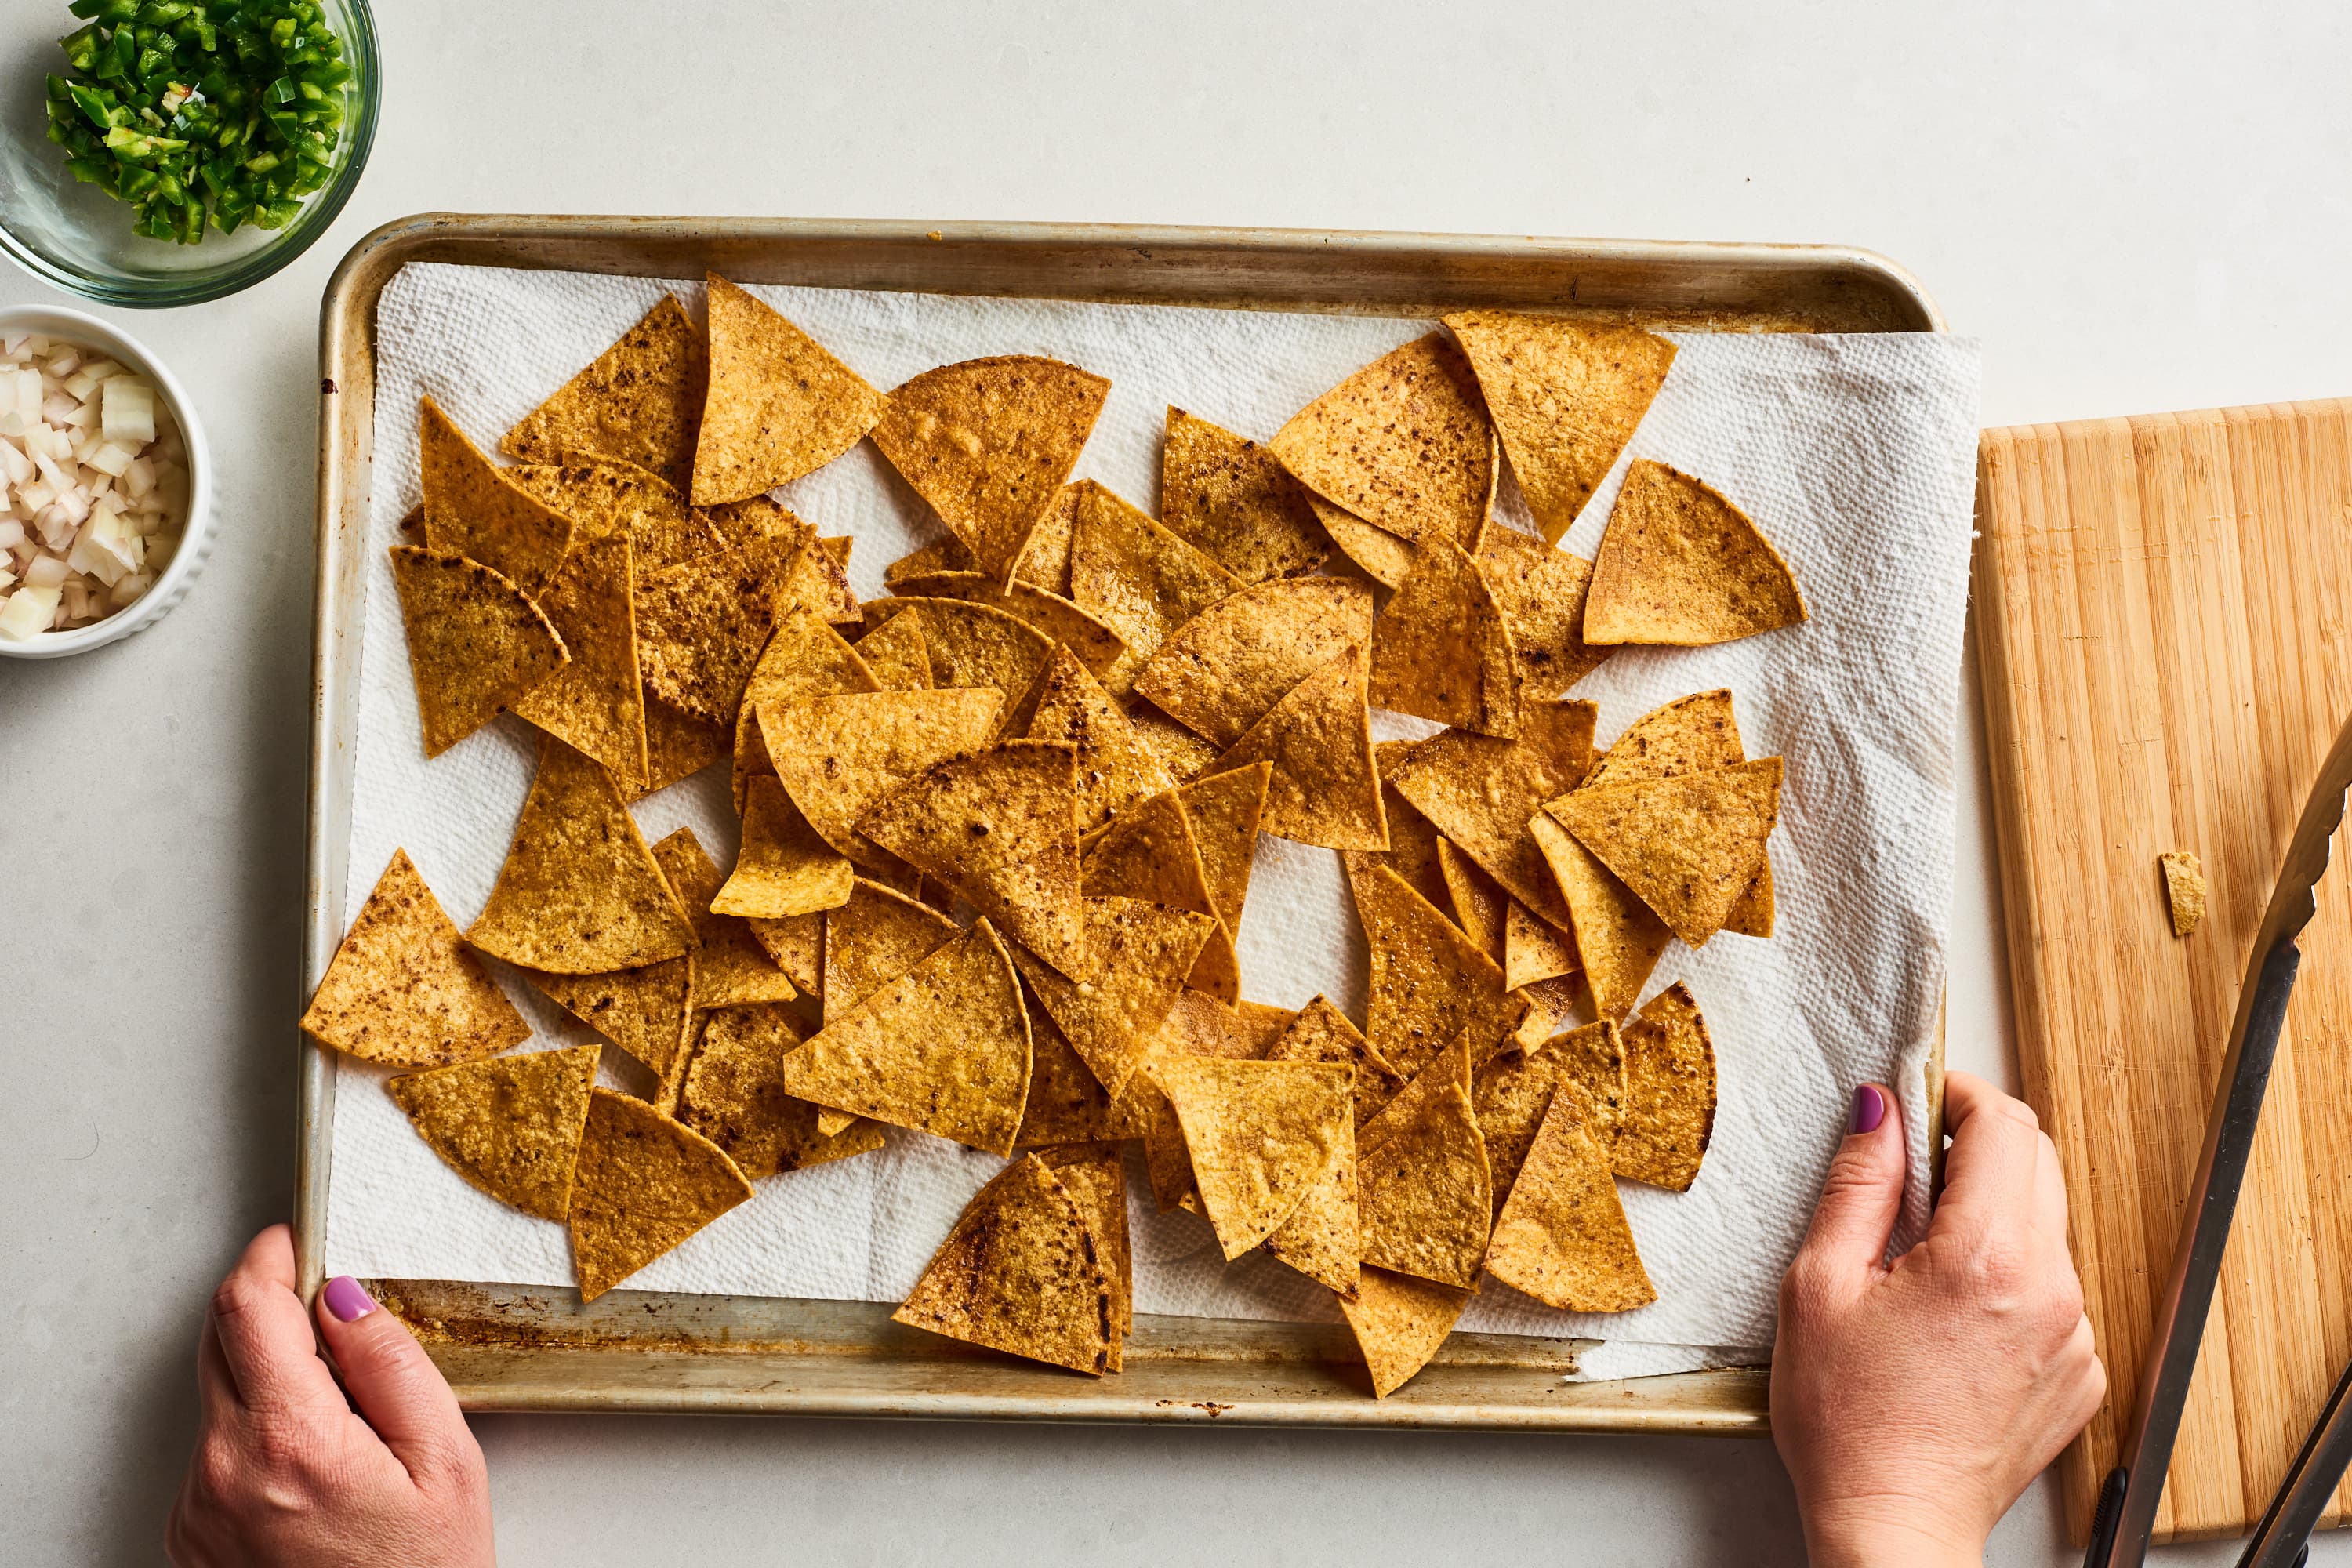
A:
(2163, 606)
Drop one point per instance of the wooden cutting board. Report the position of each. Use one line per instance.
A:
(2165, 628)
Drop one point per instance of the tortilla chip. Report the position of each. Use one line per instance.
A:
(1324, 1237)
(939, 555)
(976, 647)
(1477, 903)
(838, 755)
(1224, 811)
(1185, 755)
(1593, 1058)
(894, 655)
(678, 746)
(1551, 1005)
(607, 499)
(874, 937)
(1382, 555)
(1681, 565)
(701, 627)
(1263, 1022)
(1096, 1175)
(999, 827)
(733, 1095)
(1066, 1104)
(1097, 645)
(595, 703)
(1321, 1033)
(1481, 791)
(1565, 398)
(1198, 1025)
(1138, 578)
(1149, 854)
(511, 1125)
(643, 1185)
(580, 893)
(728, 967)
(643, 1011)
(1618, 939)
(1399, 1322)
(476, 643)
(1229, 495)
(1688, 846)
(1412, 838)
(1324, 789)
(987, 442)
(1441, 650)
(1021, 1273)
(796, 946)
(1430, 984)
(1141, 953)
(1562, 1237)
(1221, 672)
(1047, 560)
(1511, 1092)
(1115, 767)
(1669, 1111)
(1260, 1135)
(638, 402)
(1404, 443)
(471, 509)
(778, 405)
(1533, 951)
(1690, 735)
(1540, 592)
(1423, 1178)
(785, 868)
(804, 658)
(403, 990)
(2184, 888)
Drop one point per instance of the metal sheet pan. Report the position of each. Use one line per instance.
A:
(531, 1348)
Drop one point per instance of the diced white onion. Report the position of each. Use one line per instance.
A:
(48, 572)
(28, 611)
(112, 460)
(130, 416)
(15, 465)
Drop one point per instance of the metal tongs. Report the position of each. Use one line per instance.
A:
(2127, 1509)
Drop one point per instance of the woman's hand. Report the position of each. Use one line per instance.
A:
(1913, 1404)
(285, 1473)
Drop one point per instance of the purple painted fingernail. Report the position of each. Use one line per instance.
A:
(1869, 1108)
(347, 1300)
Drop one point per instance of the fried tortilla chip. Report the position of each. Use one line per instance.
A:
(1480, 792)
(580, 893)
(476, 643)
(643, 1011)
(403, 990)
(1540, 592)
(1324, 1237)
(701, 627)
(796, 945)
(1405, 442)
(471, 509)
(894, 655)
(1185, 755)
(1690, 735)
(1412, 838)
(1562, 1237)
(1593, 1057)
(1681, 565)
(1533, 951)
(1021, 1273)
(878, 935)
(1441, 650)
(643, 1185)
(1047, 560)
(1221, 672)
(1669, 1111)
(1223, 810)
(1150, 853)
(976, 647)
(1688, 846)
(1399, 1322)
(944, 1048)
(1096, 1175)
(785, 868)
(511, 1125)
(1259, 1134)
(733, 1095)
(638, 402)
(1423, 1178)
(1565, 398)
(1232, 498)
(1321, 1033)
(778, 405)
(1551, 1005)
(804, 658)
(1478, 903)
(1382, 555)
(1067, 1104)
(1511, 1092)
(838, 755)
(1430, 985)
(987, 442)
(939, 555)
(1141, 953)
(1097, 645)
(1618, 939)
(1324, 788)
(728, 968)
(595, 703)
(999, 829)
(1263, 1022)
(678, 746)
(1138, 578)
(1114, 768)
(2184, 890)
(606, 498)
(1198, 1025)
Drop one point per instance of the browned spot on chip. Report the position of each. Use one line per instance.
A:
(1480, 791)
(511, 1125)
(1430, 983)
(1441, 650)
(1562, 1237)
(1399, 1322)
(476, 643)
(643, 1185)
(1618, 939)
(1222, 669)
(606, 498)
(1404, 443)
(403, 990)
(1688, 845)
(472, 508)
(1669, 1111)
(1143, 580)
(1680, 565)
(1540, 591)
(1233, 499)
(1423, 1177)
(1021, 1273)
(778, 406)
(638, 402)
(1324, 788)
(595, 704)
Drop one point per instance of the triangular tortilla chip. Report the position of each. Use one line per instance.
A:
(778, 406)
(1533, 950)
(1430, 983)
(939, 555)
(728, 968)
(1540, 591)
(998, 828)
(1141, 953)
(1511, 1092)
(1223, 810)
(1047, 560)
(1403, 444)
(1021, 1273)
(944, 1048)
(1480, 792)
(1476, 902)
(1138, 578)
(606, 498)
(1618, 939)
(1551, 1005)
(678, 746)
(403, 990)
(804, 658)
(1562, 1237)
(476, 643)
(1324, 1237)
(595, 704)
(1222, 669)
(1114, 768)
(823, 585)
(1399, 1322)
(975, 647)
(701, 627)
(1423, 1178)
(1681, 565)
(1260, 1135)
(1067, 1104)
(1690, 735)
(1185, 755)
(1441, 650)
(2184, 890)
(1383, 557)
(894, 655)
(733, 1095)
(1149, 853)
(876, 936)
(1097, 645)
(1324, 788)
(580, 893)
(1198, 1025)
(1263, 1022)
(1231, 497)
(643, 1011)
(1668, 1116)
(471, 509)
(838, 755)
(1688, 846)
(785, 868)
(796, 946)
(1565, 398)
(1321, 1033)
(511, 1125)
(1413, 850)
(1096, 1175)
(643, 1185)
(638, 402)
(987, 442)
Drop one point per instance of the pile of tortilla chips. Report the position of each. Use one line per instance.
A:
(997, 827)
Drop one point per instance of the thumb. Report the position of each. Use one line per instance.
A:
(1863, 1191)
(398, 1390)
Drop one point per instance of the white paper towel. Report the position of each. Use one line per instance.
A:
(1855, 453)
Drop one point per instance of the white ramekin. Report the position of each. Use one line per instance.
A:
(196, 538)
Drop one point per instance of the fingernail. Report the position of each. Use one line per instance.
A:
(1869, 1111)
(348, 1301)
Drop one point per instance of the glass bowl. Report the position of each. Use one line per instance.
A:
(78, 237)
